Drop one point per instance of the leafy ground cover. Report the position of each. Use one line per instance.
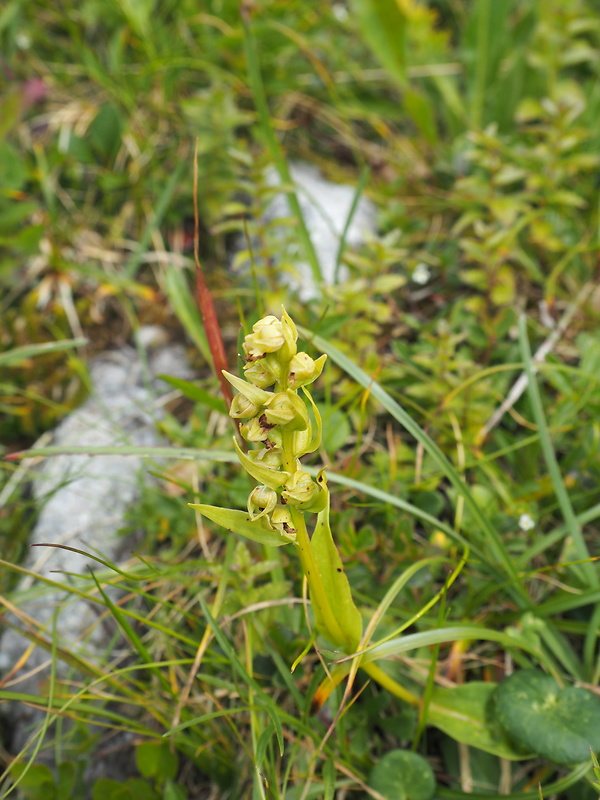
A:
(460, 399)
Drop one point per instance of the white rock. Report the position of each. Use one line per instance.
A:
(83, 503)
(325, 207)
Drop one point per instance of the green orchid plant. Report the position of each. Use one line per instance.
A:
(274, 416)
(287, 503)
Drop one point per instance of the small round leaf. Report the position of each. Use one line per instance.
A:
(558, 724)
(403, 775)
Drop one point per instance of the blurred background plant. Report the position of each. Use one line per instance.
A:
(472, 126)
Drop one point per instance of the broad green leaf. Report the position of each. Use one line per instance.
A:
(181, 299)
(37, 781)
(13, 172)
(403, 775)
(466, 714)
(139, 15)
(174, 791)
(155, 760)
(66, 779)
(239, 522)
(383, 25)
(105, 131)
(421, 113)
(334, 581)
(558, 724)
(336, 430)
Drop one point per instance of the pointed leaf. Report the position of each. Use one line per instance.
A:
(334, 580)
(239, 522)
(257, 396)
(466, 713)
(383, 25)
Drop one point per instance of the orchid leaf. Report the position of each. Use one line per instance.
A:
(334, 581)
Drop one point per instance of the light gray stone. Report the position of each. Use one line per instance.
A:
(325, 207)
(83, 501)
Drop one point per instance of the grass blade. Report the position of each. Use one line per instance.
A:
(237, 665)
(489, 536)
(19, 354)
(281, 165)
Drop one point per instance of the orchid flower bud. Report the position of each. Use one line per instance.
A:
(299, 489)
(242, 408)
(271, 458)
(261, 498)
(304, 369)
(255, 430)
(281, 518)
(289, 349)
(286, 409)
(263, 373)
(267, 337)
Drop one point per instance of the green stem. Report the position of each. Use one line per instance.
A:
(392, 686)
(318, 595)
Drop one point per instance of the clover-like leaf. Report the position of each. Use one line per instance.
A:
(558, 724)
(403, 775)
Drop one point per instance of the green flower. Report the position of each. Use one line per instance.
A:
(242, 408)
(287, 410)
(305, 370)
(256, 430)
(267, 337)
(299, 489)
(281, 519)
(262, 373)
(262, 499)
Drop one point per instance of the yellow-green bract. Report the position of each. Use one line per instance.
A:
(239, 522)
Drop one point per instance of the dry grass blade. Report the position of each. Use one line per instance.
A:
(205, 301)
(546, 347)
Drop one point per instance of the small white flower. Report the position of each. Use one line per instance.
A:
(340, 12)
(22, 41)
(421, 274)
(526, 522)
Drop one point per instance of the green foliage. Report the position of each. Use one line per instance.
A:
(402, 775)
(123, 790)
(467, 714)
(39, 782)
(473, 128)
(560, 724)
